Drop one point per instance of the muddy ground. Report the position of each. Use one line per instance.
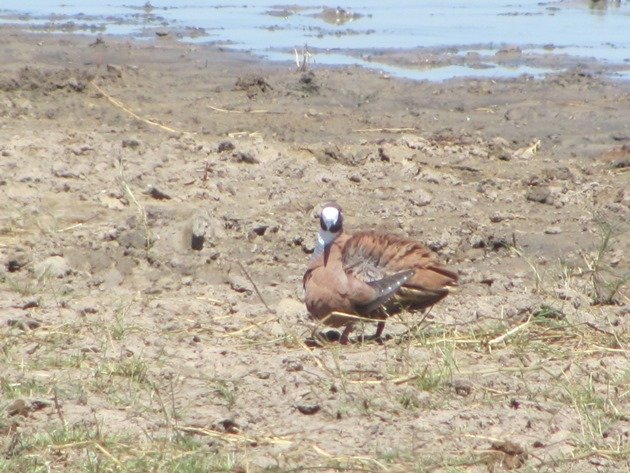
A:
(157, 210)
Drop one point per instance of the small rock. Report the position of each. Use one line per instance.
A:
(30, 303)
(90, 349)
(55, 266)
(24, 323)
(112, 278)
(132, 239)
(540, 194)
(263, 374)
(86, 309)
(245, 157)
(495, 243)
(16, 261)
(198, 235)
(354, 178)
(553, 230)
(240, 284)
(508, 454)
(416, 142)
(499, 143)
(560, 174)
(307, 245)
(156, 193)
(225, 146)
(477, 241)
(620, 163)
(421, 198)
(290, 309)
(229, 426)
(462, 387)
(308, 409)
(292, 365)
(18, 407)
(60, 170)
(130, 143)
(115, 70)
(81, 150)
(260, 228)
(496, 218)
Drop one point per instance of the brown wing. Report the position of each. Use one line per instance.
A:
(372, 255)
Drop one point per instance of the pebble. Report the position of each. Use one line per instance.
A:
(308, 409)
(156, 193)
(132, 239)
(240, 284)
(30, 303)
(115, 70)
(540, 194)
(421, 198)
(553, 230)
(55, 266)
(245, 157)
(62, 171)
(260, 228)
(130, 143)
(290, 309)
(225, 146)
(112, 278)
(16, 261)
(292, 364)
(24, 323)
(462, 387)
(477, 241)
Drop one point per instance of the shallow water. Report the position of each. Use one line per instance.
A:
(544, 36)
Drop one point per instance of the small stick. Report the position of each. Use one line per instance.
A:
(510, 332)
(58, 407)
(224, 110)
(107, 454)
(123, 107)
(389, 130)
(262, 299)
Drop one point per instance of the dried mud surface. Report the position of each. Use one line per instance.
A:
(117, 158)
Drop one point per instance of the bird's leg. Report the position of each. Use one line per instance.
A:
(344, 340)
(377, 336)
(379, 330)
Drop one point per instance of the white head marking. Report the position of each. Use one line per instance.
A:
(330, 215)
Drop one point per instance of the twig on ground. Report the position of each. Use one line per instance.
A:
(509, 333)
(225, 110)
(58, 407)
(387, 130)
(262, 299)
(126, 109)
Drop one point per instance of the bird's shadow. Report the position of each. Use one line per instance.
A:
(321, 339)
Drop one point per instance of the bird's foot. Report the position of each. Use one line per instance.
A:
(380, 339)
(318, 340)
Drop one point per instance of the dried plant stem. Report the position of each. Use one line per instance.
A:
(128, 110)
(509, 333)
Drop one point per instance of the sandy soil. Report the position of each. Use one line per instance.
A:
(157, 210)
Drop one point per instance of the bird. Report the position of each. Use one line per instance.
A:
(369, 275)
